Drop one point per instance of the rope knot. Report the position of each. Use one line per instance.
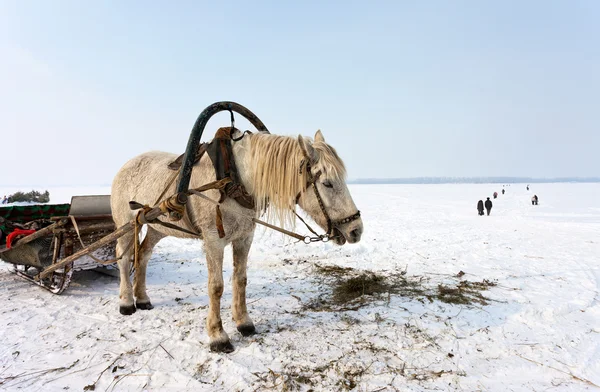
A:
(141, 215)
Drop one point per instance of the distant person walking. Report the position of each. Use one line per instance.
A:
(503, 191)
(5, 200)
(495, 195)
(527, 186)
(480, 207)
(488, 205)
(534, 200)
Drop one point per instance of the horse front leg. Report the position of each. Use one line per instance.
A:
(239, 312)
(219, 340)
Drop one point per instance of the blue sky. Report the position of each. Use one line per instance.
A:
(401, 89)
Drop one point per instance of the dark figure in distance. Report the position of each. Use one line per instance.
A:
(534, 200)
(495, 195)
(480, 207)
(528, 187)
(488, 205)
(502, 191)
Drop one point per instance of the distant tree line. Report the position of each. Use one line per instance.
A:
(33, 196)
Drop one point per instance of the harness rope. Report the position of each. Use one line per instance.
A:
(187, 218)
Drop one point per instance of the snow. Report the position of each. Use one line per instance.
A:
(539, 331)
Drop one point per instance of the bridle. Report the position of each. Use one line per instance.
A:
(331, 224)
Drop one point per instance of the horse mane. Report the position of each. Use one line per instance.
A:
(278, 176)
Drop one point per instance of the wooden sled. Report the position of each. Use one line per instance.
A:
(57, 237)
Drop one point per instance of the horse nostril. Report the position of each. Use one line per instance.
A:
(355, 233)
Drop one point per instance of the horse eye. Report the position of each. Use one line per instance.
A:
(327, 184)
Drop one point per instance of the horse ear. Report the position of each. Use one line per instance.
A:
(307, 148)
(319, 137)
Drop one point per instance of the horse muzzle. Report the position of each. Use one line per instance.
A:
(350, 232)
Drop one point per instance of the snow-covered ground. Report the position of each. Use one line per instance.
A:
(539, 331)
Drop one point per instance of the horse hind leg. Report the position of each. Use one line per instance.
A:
(240, 262)
(142, 301)
(124, 252)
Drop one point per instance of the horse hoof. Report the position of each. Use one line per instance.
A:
(127, 310)
(221, 347)
(247, 329)
(144, 305)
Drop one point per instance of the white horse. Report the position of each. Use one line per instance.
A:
(278, 171)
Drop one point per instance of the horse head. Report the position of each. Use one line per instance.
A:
(326, 197)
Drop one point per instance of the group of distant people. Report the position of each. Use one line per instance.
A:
(488, 203)
(488, 206)
(496, 194)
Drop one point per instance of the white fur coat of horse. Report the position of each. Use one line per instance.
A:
(268, 166)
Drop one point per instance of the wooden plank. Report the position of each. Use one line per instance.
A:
(86, 228)
(84, 218)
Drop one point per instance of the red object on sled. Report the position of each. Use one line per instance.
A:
(15, 233)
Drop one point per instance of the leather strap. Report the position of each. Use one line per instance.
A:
(176, 164)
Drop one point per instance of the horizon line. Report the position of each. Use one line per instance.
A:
(473, 180)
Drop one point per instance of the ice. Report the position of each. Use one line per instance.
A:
(541, 330)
